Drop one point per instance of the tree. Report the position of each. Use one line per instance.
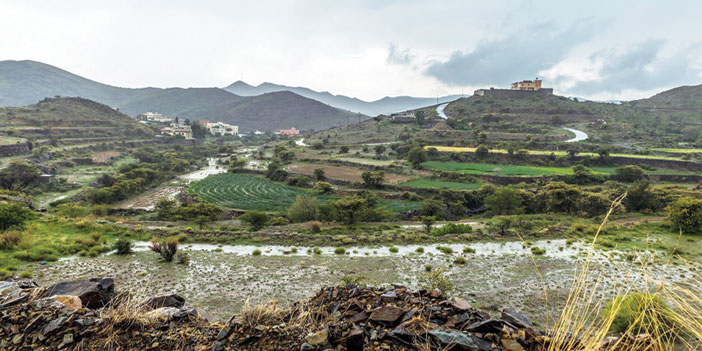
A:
(686, 214)
(416, 156)
(504, 201)
(379, 150)
(236, 164)
(319, 174)
(255, 219)
(193, 211)
(420, 117)
(482, 138)
(165, 208)
(582, 174)
(629, 174)
(18, 175)
(349, 206)
(201, 221)
(13, 214)
(639, 196)
(323, 187)
(373, 179)
(305, 208)
(433, 208)
(344, 149)
(482, 151)
(428, 221)
(199, 131)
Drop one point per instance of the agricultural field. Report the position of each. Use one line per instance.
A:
(342, 173)
(547, 152)
(428, 183)
(104, 156)
(500, 170)
(678, 151)
(250, 192)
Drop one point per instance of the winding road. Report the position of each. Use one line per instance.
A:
(440, 110)
(579, 135)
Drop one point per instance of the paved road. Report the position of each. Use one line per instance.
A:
(440, 110)
(579, 135)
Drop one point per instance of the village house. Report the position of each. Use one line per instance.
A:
(184, 131)
(289, 132)
(220, 128)
(153, 117)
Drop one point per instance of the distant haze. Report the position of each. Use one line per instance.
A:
(599, 50)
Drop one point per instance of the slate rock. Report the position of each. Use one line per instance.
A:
(165, 300)
(387, 314)
(389, 296)
(516, 319)
(455, 340)
(94, 293)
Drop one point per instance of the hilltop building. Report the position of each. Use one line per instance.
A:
(289, 132)
(531, 85)
(220, 128)
(403, 117)
(518, 89)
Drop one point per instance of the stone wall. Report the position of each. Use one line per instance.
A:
(14, 149)
(511, 93)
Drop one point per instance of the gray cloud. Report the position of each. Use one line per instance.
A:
(641, 67)
(397, 56)
(518, 56)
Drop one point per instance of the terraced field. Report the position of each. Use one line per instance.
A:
(250, 192)
(524, 171)
(440, 184)
(547, 152)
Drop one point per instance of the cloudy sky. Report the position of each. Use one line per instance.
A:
(621, 49)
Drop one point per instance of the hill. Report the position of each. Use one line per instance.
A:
(74, 118)
(385, 105)
(26, 82)
(680, 98)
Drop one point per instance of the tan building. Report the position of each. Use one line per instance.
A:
(531, 85)
(186, 132)
(219, 128)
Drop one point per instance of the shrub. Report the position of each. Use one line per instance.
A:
(460, 260)
(639, 312)
(393, 249)
(452, 228)
(352, 280)
(182, 258)
(445, 249)
(628, 174)
(305, 208)
(98, 210)
(9, 240)
(122, 246)
(165, 248)
(279, 221)
(316, 227)
(256, 252)
(70, 210)
(537, 250)
(504, 201)
(323, 187)
(13, 214)
(428, 221)
(436, 279)
(686, 214)
(5, 274)
(255, 219)
(419, 250)
(27, 274)
(468, 249)
(428, 268)
(339, 251)
(317, 251)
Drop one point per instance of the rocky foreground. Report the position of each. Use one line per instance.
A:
(88, 315)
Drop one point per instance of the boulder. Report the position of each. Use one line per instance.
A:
(454, 340)
(516, 319)
(71, 302)
(319, 338)
(94, 293)
(459, 304)
(162, 314)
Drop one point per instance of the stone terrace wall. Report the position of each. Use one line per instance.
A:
(14, 149)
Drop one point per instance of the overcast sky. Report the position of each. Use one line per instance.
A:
(620, 49)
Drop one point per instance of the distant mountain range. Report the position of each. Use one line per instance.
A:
(385, 105)
(27, 82)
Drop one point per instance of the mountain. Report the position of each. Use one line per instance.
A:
(26, 82)
(385, 105)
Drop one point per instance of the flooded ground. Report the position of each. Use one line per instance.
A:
(219, 279)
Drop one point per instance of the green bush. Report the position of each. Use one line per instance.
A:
(165, 248)
(339, 251)
(255, 219)
(537, 251)
(445, 249)
(393, 249)
(460, 260)
(468, 249)
(436, 279)
(419, 250)
(452, 228)
(98, 210)
(639, 313)
(686, 214)
(317, 251)
(122, 246)
(256, 252)
(13, 214)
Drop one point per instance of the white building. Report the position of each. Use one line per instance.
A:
(154, 117)
(184, 131)
(220, 128)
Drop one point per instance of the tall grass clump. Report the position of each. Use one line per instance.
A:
(166, 248)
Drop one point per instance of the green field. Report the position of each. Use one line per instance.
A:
(250, 192)
(440, 184)
(502, 170)
(678, 151)
(548, 152)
